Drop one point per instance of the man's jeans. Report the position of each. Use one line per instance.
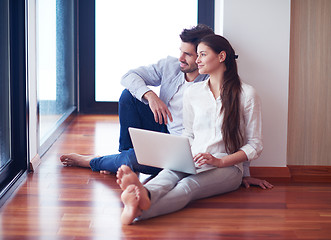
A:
(132, 113)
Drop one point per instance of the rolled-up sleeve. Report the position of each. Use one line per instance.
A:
(253, 125)
(136, 85)
(138, 80)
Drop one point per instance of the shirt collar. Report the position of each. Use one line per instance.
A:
(201, 77)
(206, 87)
(206, 84)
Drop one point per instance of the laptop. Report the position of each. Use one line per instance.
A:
(163, 150)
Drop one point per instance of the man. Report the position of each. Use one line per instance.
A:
(140, 107)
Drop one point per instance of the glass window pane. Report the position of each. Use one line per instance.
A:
(4, 86)
(56, 62)
(133, 33)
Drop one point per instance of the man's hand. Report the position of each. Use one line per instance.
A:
(158, 107)
(248, 181)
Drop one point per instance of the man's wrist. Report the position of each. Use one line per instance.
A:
(149, 95)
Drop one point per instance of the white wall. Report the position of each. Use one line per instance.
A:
(259, 31)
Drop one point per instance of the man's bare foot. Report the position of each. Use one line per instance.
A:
(130, 198)
(125, 178)
(76, 160)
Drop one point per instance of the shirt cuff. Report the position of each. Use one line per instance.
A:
(250, 152)
(140, 93)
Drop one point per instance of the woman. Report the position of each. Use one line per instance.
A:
(222, 118)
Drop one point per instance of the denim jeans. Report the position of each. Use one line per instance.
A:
(132, 113)
(127, 157)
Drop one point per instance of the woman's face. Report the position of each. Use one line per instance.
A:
(208, 61)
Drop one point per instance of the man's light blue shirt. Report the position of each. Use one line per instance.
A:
(165, 73)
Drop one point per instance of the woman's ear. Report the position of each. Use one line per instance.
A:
(222, 56)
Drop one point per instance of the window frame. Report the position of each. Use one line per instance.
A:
(86, 19)
(12, 173)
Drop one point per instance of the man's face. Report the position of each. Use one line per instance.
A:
(187, 58)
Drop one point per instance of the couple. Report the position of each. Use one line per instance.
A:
(222, 118)
(162, 113)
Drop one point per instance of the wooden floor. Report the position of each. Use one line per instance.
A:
(57, 202)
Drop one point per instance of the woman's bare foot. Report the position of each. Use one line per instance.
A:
(76, 160)
(130, 198)
(125, 178)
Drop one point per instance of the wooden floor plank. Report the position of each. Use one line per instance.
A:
(57, 202)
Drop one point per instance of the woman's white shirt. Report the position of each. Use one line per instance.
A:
(202, 121)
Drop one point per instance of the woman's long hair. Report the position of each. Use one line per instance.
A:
(230, 93)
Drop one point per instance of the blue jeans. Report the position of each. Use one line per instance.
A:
(132, 113)
(127, 157)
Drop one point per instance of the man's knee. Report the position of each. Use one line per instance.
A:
(126, 97)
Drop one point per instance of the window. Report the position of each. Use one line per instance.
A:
(56, 68)
(142, 37)
(116, 36)
(13, 131)
(4, 86)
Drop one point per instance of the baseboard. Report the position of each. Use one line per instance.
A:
(296, 173)
(34, 163)
(272, 172)
(300, 173)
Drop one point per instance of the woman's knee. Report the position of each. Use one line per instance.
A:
(189, 186)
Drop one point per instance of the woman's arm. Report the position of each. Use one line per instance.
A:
(233, 159)
(253, 123)
(248, 181)
(226, 161)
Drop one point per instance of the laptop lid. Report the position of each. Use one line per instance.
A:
(163, 150)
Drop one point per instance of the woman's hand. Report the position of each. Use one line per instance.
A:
(226, 161)
(248, 181)
(206, 158)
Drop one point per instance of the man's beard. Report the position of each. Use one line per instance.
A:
(189, 70)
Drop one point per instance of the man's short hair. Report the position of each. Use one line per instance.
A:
(194, 34)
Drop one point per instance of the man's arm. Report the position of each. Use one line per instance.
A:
(137, 82)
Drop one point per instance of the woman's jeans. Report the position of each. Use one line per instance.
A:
(171, 191)
(132, 113)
